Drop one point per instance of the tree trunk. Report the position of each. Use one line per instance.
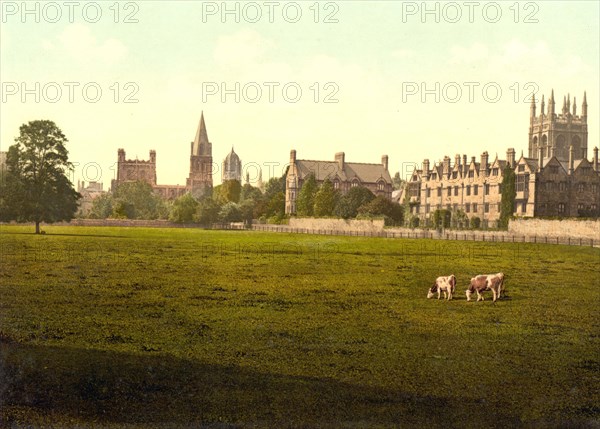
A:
(37, 227)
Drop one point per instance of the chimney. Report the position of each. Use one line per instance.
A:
(385, 161)
(153, 156)
(510, 157)
(292, 157)
(426, 168)
(457, 160)
(472, 160)
(446, 165)
(595, 160)
(540, 159)
(340, 158)
(571, 160)
(464, 163)
(484, 163)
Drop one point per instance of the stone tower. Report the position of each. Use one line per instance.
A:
(555, 133)
(200, 180)
(232, 167)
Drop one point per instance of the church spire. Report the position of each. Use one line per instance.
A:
(200, 146)
(574, 106)
(543, 105)
(584, 107)
(532, 108)
(551, 104)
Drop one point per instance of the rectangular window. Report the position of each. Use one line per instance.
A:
(468, 190)
(428, 192)
(471, 173)
(476, 190)
(594, 189)
(439, 192)
(562, 186)
(467, 208)
(561, 208)
(521, 168)
(474, 207)
(581, 187)
(486, 207)
(487, 189)
(580, 206)
(449, 193)
(494, 171)
(454, 174)
(427, 208)
(456, 191)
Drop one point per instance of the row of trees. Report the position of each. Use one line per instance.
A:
(324, 200)
(228, 202)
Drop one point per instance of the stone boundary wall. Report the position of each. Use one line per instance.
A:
(337, 224)
(589, 229)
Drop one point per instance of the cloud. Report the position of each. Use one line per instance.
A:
(242, 48)
(80, 43)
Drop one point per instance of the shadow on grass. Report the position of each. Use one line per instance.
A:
(61, 385)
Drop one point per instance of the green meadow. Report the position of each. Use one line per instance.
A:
(137, 328)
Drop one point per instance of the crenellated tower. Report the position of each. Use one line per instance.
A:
(555, 133)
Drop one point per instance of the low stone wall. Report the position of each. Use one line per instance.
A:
(337, 224)
(589, 229)
(127, 223)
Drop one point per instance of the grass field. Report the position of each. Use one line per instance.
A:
(118, 327)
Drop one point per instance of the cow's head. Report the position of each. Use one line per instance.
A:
(433, 289)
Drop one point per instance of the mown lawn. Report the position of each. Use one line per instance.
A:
(118, 327)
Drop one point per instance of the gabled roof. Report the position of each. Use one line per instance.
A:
(364, 173)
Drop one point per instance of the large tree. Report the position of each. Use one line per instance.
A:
(36, 186)
(325, 199)
(137, 200)
(305, 202)
(349, 204)
(507, 204)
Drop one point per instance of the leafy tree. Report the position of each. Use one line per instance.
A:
(325, 199)
(276, 206)
(102, 206)
(414, 222)
(247, 208)
(305, 201)
(137, 200)
(460, 219)
(249, 192)
(397, 181)
(508, 197)
(230, 212)
(475, 222)
(36, 187)
(349, 204)
(208, 211)
(441, 218)
(230, 191)
(393, 213)
(184, 209)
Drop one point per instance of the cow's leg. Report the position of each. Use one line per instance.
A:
(439, 292)
(449, 294)
(494, 294)
(480, 297)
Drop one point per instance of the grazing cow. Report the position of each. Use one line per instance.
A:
(443, 284)
(480, 283)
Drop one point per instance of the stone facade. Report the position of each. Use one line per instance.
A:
(343, 175)
(198, 182)
(556, 179)
(471, 187)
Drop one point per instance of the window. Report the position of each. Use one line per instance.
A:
(439, 192)
(486, 189)
(580, 206)
(521, 168)
(581, 187)
(471, 173)
(454, 174)
(336, 184)
(456, 191)
(594, 207)
(468, 190)
(562, 186)
(523, 207)
(494, 171)
(433, 176)
(594, 188)
(474, 207)
(427, 208)
(486, 207)
(428, 192)
(355, 183)
(549, 186)
(449, 193)
(561, 208)
(475, 189)
(467, 208)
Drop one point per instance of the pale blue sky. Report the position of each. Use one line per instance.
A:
(370, 54)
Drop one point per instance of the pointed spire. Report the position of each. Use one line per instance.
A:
(568, 103)
(574, 106)
(564, 108)
(532, 108)
(584, 107)
(551, 104)
(200, 145)
(543, 105)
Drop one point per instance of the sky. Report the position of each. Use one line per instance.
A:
(411, 80)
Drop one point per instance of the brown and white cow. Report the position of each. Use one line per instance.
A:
(445, 284)
(483, 282)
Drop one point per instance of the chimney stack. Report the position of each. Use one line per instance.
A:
(484, 163)
(595, 160)
(385, 161)
(446, 165)
(340, 159)
(457, 160)
(293, 157)
(510, 157)
(425, 168)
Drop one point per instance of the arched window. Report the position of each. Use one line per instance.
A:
(561, 150)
